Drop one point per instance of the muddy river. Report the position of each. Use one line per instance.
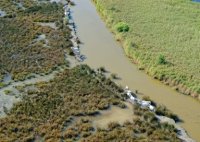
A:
(101, 49)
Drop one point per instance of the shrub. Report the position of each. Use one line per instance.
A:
(147, 98)
(113, 125)
(7, 92)
(72, 3)
(113, 76)
(70, 134)
(2, 84)
(122, 27)
(102, 69)
(162, 110)
(86, 134)
(122, 105)
(161, 60)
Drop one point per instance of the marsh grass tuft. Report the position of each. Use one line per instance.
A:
(122, 27)
(161, 60)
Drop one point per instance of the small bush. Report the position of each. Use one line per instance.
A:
(113, 76)
(86, 134)
(72, 3)
(122, 27)
(7, 92)
(113, 125)
(102, 69)
(2, 84)
(70, 134)
(161, 60)
(162, 110)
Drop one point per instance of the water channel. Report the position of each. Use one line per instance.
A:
(101, 49)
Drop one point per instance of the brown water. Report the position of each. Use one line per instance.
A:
(114, 114)
(101, 49)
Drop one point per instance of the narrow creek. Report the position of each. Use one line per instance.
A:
(101, 49)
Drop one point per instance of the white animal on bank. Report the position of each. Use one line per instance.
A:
(142, 103)
(129, 93)
(151, 108)
(66, 13)
(133, 98)
(145, 103)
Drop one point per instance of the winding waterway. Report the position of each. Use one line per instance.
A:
(101, 49)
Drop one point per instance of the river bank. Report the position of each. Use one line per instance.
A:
(147, 54)
(100, 48)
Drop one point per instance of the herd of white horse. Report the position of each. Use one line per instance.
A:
(142, 103)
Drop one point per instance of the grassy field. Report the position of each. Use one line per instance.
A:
(162, 37)
(62, 110)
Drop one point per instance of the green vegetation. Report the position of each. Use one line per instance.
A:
(163, 38)
(161, 60)
(113, 76)
(2, 84)
(63, 108)
(102, 69)
(122, 27)
(7, 92)
(23, 51)
(162, 110)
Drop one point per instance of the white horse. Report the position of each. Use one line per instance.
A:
(145, 103)
(151, 108)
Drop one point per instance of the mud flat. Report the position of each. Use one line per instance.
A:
(51, 24)
(114, 114)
